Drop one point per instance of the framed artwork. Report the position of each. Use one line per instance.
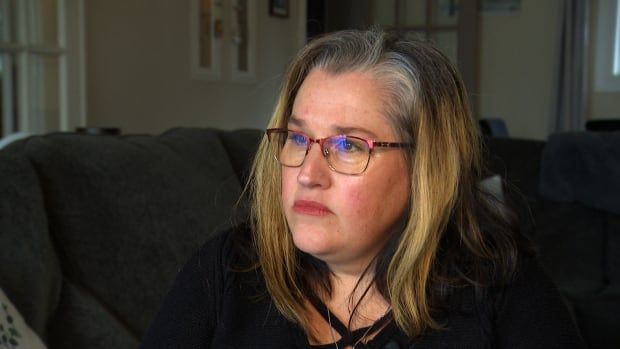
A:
(243, 40)
(279, 8)
(206, 35)
(223, 40)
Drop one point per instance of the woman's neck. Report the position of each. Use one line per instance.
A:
(354, 305)
(356, 298)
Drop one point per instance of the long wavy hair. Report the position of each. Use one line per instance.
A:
(442, 245)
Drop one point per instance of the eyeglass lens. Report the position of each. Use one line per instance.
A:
(344, 154)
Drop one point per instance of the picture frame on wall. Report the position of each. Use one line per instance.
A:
(223, 40)
(279, 8)
(206, 38)
(500, 6)
(243, 41)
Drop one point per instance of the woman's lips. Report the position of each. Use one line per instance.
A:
(311, 208)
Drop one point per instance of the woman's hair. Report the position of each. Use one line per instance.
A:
(442, 245)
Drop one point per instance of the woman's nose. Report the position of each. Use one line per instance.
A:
(315, 171)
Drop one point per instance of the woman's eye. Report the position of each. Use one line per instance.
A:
(298, 139)
(347, 146)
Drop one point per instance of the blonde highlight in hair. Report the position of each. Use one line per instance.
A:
(427, 106)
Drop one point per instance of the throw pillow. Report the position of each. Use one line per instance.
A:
(14, 333)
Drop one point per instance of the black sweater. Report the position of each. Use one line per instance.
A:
(214, 305)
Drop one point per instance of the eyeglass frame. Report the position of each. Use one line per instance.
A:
(320, 141)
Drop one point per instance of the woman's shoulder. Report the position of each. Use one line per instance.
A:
(222, 261)
(492, 286)
(531, 304)
(230, 247)
(529, 280)
(193, 305)
(523, 311)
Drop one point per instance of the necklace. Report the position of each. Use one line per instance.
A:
(331, 329)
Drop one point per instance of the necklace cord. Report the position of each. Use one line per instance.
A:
(347, 337)
(353, 338)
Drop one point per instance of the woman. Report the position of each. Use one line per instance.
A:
(367, 226)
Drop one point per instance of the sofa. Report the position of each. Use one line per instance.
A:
(566, 193)
(93, 228)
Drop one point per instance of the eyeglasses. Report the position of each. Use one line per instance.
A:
(344, 154)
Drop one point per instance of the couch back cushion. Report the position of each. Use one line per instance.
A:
(572, 242)
(569, 235)
(29, 267)
(124, 214)
(612, 253)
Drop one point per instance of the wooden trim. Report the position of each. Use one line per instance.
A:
(468, 48)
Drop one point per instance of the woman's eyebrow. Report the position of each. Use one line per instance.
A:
(296, 122)
(354, 129)
(340, 130)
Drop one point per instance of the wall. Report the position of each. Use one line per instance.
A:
(517, 60)
(76, 106)
(604, 105)
(138, 69)
(138, 73)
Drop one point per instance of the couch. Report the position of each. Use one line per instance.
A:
(94, 228)
(566, 192)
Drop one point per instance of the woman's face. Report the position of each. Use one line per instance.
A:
(341, 219)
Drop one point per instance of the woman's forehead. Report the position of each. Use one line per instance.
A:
(335, 128)
(343, 103)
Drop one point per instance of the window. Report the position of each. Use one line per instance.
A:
(451, 24)
(34, 71)
(617, 42)
(431, 19)
(607, 64)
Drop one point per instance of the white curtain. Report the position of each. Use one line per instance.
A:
(569, 106)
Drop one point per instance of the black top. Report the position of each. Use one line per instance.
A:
(214, 304)
(353, 338)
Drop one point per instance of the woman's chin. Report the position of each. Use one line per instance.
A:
(313, 243)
